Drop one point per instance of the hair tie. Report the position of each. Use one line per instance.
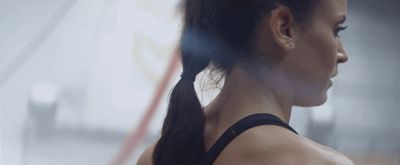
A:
(188, 77)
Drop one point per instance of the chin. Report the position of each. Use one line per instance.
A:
(311, 101)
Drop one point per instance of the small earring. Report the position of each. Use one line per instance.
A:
(291, 45)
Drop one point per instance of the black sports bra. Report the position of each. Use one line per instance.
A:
(239, 127)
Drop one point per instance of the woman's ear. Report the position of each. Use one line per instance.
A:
(283, 27)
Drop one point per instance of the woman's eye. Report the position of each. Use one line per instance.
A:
(339, 29)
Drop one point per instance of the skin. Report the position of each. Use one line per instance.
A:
(305, 58)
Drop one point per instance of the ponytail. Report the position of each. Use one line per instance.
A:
(182, 135)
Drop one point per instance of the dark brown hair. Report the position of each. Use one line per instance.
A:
(212, 30)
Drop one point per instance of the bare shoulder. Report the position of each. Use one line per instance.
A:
(334, 157)
(273, 145)
(146, 157)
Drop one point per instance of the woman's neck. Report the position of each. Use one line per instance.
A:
(247, 91)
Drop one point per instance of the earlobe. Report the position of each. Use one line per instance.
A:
(283, 26)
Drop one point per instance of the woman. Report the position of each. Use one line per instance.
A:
(274, 54)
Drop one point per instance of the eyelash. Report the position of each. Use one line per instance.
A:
(338, 29)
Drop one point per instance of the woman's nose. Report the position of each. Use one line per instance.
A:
(341, 54)
(342, 57)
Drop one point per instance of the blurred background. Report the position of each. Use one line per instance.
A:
(86, 82)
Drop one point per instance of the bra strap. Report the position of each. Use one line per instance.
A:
(239, 127)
